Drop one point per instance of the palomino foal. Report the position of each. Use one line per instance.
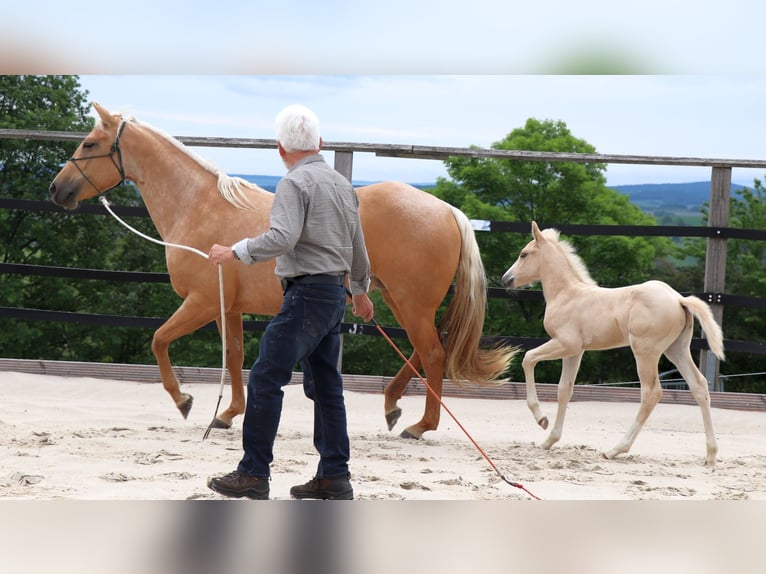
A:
(651, 317)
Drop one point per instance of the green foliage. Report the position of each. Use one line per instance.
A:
(745, 264)
(552, 193)
(61, 238)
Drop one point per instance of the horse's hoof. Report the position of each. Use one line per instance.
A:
(543, 422)
(409, 435)
(219, 424)
(185, 405)
(392, 417)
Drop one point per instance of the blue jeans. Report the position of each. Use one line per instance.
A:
(306, 331)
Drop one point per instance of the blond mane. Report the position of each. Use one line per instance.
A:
(575, 262)
(232, 189)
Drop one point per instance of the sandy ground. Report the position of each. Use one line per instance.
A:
(106, 476)
(90, 439)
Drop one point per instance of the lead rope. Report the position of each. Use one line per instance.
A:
(105, 202)
(438, 398)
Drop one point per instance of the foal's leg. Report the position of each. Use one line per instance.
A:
(234, 359)
(569, 368)
(680, 355)
(552, 349)
(651, 393)
(190, 316)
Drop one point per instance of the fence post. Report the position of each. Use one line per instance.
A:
(715, 263)
(344, 161)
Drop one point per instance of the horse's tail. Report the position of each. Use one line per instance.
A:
(710, 326)
(463, 321)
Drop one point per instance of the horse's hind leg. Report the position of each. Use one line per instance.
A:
(432, 355)
(569, 368)
(680, 355)
(395, 389)
(189, 317)
(234, 358)
(651, 393)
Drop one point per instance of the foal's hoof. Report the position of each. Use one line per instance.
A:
(543, 422)
(185, 405)
(392, 417)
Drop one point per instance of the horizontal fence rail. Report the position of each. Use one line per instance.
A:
(418, 151)
(717, 232)
(376, 384)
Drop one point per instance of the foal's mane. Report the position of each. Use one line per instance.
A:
(232, 189)
(566, 249)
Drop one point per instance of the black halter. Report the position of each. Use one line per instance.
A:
(115, 149)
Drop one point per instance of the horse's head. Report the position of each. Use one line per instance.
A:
(96, 165)
(526, 269)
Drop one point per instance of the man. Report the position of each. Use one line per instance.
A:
(316, 236)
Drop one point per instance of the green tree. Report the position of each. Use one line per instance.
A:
(745, 276)
(71, 239)
(551, 193)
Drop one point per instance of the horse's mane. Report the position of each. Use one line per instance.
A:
(570, 254)
(232, 189)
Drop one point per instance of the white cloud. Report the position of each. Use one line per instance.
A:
(685, 116)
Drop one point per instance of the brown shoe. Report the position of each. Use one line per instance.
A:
(335, 488)
(237, 485)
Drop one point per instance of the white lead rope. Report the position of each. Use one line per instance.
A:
(105, 202)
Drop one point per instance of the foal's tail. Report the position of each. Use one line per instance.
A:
(463, 321)
(712, 329)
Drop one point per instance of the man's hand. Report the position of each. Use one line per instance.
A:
(220, 253)
(361, 306)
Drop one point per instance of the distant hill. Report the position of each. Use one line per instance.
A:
(269, 182)
(650, 196)
(660, 199)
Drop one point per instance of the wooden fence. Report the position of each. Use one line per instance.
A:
(717, 231)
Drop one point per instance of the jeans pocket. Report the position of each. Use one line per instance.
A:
(322, 312)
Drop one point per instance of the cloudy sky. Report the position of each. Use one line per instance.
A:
(690, 116)
(657, 78)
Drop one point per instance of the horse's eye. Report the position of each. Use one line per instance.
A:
(522, 255)
(88, 145)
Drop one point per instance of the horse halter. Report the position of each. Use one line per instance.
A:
(114, 149)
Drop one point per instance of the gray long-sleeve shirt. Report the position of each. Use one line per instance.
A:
(314, 227)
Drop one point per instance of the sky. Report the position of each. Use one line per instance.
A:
(662, 77)
(679, 115)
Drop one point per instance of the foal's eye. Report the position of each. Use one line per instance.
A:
(522, 255)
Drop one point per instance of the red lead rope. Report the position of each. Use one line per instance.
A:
(438, 398)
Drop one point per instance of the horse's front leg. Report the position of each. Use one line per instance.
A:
(549, 350)
(234, 360)
(569, 367)
(189, 317)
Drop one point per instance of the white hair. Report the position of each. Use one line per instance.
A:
(297, 128)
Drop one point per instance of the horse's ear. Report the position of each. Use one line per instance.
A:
(103, 113)
(536, 231)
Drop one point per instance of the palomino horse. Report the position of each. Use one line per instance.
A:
(417, 245)
(652, 318)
